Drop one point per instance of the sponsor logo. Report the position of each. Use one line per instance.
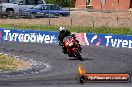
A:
(29, 37)
(82, 76)
(110, 41)
(97, 40)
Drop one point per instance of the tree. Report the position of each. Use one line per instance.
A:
(63, 3)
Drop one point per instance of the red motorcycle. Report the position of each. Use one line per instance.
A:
(73, 48)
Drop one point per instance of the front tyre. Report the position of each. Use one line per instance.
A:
(32, 15)
(10, 14)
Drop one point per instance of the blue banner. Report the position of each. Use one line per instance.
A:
(49, 37)
(28, 36)
(108, 40)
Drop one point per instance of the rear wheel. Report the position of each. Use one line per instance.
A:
(60, 15)
(78, 56)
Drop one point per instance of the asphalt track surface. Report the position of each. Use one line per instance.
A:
(62, 72)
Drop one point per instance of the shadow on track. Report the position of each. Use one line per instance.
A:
(84, 59)
(87, 59)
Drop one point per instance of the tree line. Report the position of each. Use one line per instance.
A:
(63, 3)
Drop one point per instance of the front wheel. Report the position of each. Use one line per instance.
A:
(32, 15)
(10, 14)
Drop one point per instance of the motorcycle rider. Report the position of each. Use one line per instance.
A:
(62, 35)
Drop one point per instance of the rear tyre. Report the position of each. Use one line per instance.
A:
(78, 56)
(60, 15)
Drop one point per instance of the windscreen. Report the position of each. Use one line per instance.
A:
(37, 7)
(66, 39)
(14, 1)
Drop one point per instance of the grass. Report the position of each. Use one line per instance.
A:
(7, 63)
(98, 30)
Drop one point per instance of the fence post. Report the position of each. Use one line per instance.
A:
(49, 15)
(117, 21)
(93, 24)
(71, 21)
(49, 21)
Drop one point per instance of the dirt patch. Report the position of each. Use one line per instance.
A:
(81, 18)
(22, 64)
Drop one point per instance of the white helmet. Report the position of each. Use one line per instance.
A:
(62, 28)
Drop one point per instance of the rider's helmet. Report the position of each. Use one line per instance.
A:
(62, 30)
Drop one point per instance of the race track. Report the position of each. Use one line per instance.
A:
(62, 71)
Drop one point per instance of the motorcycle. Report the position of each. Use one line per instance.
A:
(73, 48)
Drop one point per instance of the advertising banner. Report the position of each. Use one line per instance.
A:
(29, 36)
(35, 36)
(50, 37)
(108, 40)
